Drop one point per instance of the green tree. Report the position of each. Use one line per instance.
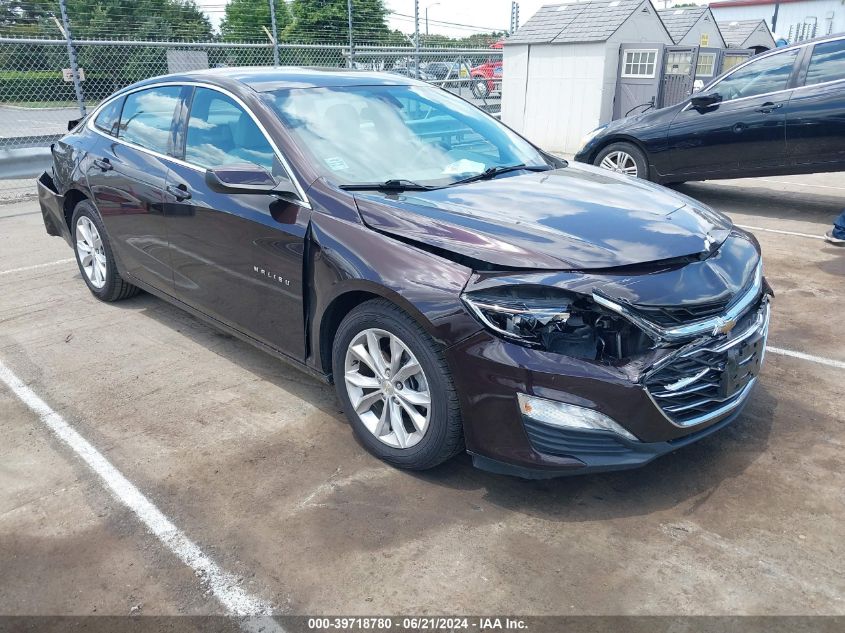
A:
(327, 21)
(107, 19)
(244, 19)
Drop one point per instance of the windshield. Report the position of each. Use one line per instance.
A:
(374, 134)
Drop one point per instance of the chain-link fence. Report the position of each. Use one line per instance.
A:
(38, 96)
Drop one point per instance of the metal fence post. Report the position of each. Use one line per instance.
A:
(351, 58)
(74, 66)
(416, 39)
(275, 32)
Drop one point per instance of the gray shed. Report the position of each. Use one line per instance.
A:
(561, 66)
(753, 34)
(695, 26)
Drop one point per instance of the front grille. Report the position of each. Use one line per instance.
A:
(708, 381)
(669, 316)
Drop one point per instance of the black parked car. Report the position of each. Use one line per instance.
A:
(778, 113)
(459, 286)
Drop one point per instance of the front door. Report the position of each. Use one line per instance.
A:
(236, 257)
(745, 131)
(127, 170)
(638, 83)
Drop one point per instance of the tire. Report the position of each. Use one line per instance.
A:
(623, 158)
(102, 280)
(480, 88)
(378, 396)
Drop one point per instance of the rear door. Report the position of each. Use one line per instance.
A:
(638, 84)
(746, 130)
(679, 65)
(815, 116)
(127, 171)
(236, 257)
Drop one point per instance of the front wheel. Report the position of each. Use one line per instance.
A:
(395, 387)
(623, 158)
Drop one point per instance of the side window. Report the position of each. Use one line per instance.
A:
(147, 117)
(827, 63)
(109, 118)
(769, 74)
(221, 133)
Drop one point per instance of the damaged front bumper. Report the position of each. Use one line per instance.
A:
(688, 393)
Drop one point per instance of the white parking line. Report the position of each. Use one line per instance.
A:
(36, 266)
(813, 359)
(799, 184)
(237, 602)
(760, 228)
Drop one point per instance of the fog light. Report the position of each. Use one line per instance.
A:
(569, 416)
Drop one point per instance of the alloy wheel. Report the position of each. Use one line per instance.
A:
(91, 251)
(620, 162)
(387, 388)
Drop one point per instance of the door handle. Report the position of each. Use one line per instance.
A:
(103, 163)
(769, 106)
(180, 192)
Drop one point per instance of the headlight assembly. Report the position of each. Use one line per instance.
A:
(589, 136)
(555, 321)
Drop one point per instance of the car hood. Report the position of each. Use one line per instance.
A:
(579, 217)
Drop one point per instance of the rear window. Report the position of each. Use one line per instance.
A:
(827, 63)
(108, 119)
(147, 117)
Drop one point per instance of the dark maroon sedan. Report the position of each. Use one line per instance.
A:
(460, 287)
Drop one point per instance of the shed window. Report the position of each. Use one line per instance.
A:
(706, 61)
(732, 60)
(639, 63)
(678, 63)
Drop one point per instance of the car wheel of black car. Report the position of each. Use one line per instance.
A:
(395, 387)
(95, 257)
(623, 158)
(479, 87)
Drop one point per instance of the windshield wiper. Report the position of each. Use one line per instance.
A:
(492, 172)
(395, 184)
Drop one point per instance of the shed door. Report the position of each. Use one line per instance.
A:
(638, 80)
(679, 64)
(707, 67)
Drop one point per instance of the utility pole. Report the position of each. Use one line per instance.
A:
(433, 4)
(775, 16)
(514, 17)
(275, 32)
(349, 59)
(74, 66)
(417, 39)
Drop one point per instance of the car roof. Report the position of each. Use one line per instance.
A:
(264, 78)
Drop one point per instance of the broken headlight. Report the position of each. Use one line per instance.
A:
(555, 321)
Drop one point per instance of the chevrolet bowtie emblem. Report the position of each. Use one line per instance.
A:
(723, 326)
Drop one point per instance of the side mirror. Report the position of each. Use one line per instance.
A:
(701, 102)
(247, 179)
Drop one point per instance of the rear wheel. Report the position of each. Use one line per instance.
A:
(95, 257)
(623, 158)
(395, 387)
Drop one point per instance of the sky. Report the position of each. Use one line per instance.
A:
(455, 18)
